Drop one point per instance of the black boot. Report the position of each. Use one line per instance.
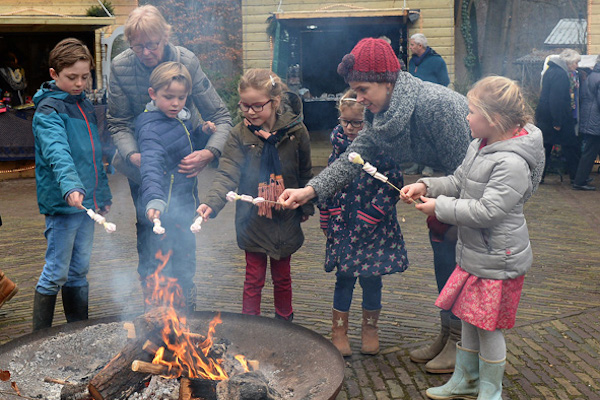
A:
(43, 310)
(75, 303)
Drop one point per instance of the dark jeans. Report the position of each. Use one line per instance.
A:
(591, 148)
(344, 288)
(444, 262)
(570, 153)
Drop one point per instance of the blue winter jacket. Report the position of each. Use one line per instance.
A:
(163, 143)
(589, 99)
(429, 67)
(68, 154)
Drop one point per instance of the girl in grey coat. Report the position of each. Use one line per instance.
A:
(484, 198)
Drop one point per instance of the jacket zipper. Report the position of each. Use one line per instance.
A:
(170, 192)
(93, 153)
(191, 150)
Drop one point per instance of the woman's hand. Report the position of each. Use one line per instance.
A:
(427, 207)
(192, 164)
(153, 214)
(294, 198)
(204, 211)
(412, 192)
(136, 159)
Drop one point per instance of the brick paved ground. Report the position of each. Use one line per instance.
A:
(553, 352)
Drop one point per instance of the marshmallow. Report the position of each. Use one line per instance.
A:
(158, 229)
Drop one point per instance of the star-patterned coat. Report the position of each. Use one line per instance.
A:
(363, 234)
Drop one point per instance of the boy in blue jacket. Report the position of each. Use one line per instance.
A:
(70, 177)
(164, 133)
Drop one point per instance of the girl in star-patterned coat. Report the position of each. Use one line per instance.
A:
(364, 240)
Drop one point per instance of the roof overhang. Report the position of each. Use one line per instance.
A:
(52, 23)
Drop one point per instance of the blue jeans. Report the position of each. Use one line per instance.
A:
(70, 238)
(344, 288)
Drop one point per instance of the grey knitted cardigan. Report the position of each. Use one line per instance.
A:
(425, 123)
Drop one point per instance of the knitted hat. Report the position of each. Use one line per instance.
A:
(371, 60)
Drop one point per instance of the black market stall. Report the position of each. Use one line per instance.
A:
(308, 46)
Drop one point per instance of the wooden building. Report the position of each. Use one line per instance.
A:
(593, 27)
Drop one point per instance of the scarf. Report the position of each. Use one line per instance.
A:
(270, 183)
(419, 59)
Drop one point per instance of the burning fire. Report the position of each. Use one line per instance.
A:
(183, 353)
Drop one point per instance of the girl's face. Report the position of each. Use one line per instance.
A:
(258, 107)
(350, 116)
(480, 126)
(375, 96)
(170, 99)
(72, 79)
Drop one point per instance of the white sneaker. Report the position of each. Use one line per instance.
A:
(427, 171)
(412, 170)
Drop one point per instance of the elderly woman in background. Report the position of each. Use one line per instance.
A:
(410, 120)
(557, 112)
(148, 36)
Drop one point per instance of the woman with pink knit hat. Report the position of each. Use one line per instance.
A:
(405, 117)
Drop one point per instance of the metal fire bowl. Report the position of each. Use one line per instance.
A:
(303, 363)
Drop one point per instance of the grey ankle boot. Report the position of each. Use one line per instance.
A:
(75, 303)
(444, 362)
(430, 351)
(43, 310)
(464, 383)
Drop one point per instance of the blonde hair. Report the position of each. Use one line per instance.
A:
(348, 100)
(168, 72)
(262, 79)
(146, 21)
(501, 102)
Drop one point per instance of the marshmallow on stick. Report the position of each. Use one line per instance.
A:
(99, 219)
(158, 229)
(355, 158)
(233, 196)
(197, 225)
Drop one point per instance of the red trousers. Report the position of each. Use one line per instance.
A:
(256, 271)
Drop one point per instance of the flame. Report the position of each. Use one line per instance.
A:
(182, 354)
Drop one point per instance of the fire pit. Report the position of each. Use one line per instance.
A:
(298, 363)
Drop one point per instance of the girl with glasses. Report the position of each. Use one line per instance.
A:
(364, 240)
(266, 153)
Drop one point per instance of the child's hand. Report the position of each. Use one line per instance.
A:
(410, 193)
(153, 214)
(427, 207)
(104, 210)
(75, 199)
(209, 128)
(204, 211)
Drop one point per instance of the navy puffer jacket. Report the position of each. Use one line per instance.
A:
(589, 114)
(163, 143)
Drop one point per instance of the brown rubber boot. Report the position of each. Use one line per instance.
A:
(7, 289)
(370, 337)
(339, 332)
(444, 362)
(430, 351)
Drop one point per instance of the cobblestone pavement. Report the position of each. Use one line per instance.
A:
(553, 352)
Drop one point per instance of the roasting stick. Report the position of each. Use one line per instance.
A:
(355, 158)
(233, 196)
(108, 226)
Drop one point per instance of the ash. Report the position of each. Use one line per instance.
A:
(78, 356)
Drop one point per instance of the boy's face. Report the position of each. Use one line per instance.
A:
(72, 79)
(170, 99)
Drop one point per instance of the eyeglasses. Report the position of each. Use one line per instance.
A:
(355, 124)
(255, 107)
(138, 48)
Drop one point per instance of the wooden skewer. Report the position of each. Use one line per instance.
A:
(54, 380)
(149, 368)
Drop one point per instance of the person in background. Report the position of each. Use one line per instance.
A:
(266, 153)
(428, 65)
(70, 178)
(557, 111)
(589, 126)
(148, 34)
(165, 137)
(364, 240)
(494, 251)
(12, 81)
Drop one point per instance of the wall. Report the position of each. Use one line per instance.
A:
(593, 27)
(436, 22)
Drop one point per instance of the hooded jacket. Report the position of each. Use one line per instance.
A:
(485, 197)
(239, 168)
(68, 154)
(424, 123)
(430, 67)
(589, 115)
(128, 96)
(163, 142)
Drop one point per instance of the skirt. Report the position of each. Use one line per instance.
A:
(488, 304)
